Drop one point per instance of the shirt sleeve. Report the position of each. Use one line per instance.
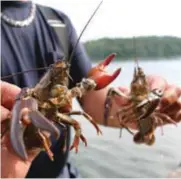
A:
(80, 63)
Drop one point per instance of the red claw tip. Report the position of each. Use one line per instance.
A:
(101, 66)
(107, 60)
(104, 79)
(101, 77)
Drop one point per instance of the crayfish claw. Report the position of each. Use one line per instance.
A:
(107, 60)
(104, 79)
(100, 67)
(18, 142)
(100, 76)
(43, 123)
(16, 132)
(75, 144)
(46, 145)
(84, 140)
(107, 79)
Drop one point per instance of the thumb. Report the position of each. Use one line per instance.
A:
(8, 94)
(4, 113)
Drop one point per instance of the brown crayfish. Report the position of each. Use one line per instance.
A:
(37, 110)
(49, 102)
(141, 108)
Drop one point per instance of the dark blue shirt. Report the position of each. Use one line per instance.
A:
(31, 47)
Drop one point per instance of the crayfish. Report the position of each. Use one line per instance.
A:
(38, 109)
(141, 108)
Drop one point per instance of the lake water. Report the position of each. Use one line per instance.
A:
(110, 156)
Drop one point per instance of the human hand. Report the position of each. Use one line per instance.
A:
(11, 165)
(170, 103)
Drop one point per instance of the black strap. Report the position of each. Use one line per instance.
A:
(58, 26)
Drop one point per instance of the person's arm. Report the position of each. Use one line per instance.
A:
(93, 103)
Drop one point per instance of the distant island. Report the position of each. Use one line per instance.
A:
(145, 47)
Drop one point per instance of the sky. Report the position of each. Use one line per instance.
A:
(122, 18)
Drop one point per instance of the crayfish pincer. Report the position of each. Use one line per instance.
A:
(25, 112)
(37, 110)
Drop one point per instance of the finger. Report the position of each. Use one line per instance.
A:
(124, 90)
(10, 151)
(4, 113)
(171, 110)
(179, 101)
(156, 82)
(4, 122)
(171, 95)
(8, 94)
(178, 116)
(171, 102)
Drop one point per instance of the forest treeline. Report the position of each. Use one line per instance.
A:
(143, 47)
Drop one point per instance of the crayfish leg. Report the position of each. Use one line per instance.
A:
(76, 142)
(65, 142)
(123, 125)
(78, 131)
(126, 128)
(89, 118)
(166, 118)
(159, 121)
(64, 133)
(40, 121)
(46, 143)
(120, 132)
(108, 102)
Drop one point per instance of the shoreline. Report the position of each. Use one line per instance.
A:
(117, 59)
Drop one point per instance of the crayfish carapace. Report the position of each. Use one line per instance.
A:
(141, 108)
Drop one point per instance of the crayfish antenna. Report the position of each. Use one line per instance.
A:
(73, 51)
